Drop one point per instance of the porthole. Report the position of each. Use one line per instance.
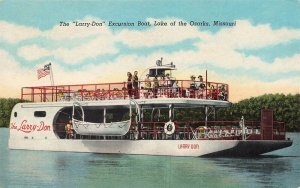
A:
(15, 114)
(40, 114)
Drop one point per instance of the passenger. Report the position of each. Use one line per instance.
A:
(175, 89)
(60, 95)
(201, 83)
(222, 92)
(78, 95)
(115, 93)
(162, 81)
(209, 91)
(155, 86)
(103, 94)
(200, 87)
(162, 84)
(192, 86)
(124, 92)
(69, 130)
(129, 84)
(213, 92)
(147, 85)
(97, 94)
(168, 84)
(135, 81)
(168, 80)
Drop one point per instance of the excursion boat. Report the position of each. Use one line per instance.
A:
(140, 118)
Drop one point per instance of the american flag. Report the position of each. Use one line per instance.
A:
(44, 71)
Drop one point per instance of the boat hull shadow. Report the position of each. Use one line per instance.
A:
(251, 148)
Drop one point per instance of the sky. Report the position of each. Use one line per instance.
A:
(259, 54)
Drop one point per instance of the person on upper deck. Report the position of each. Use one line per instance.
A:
(129, 84)
(201, 84)
(192, 86)
(135, 81)
(212, 94)
(162, 84)
(147, 85)
(147, 82)
(175, 89)
(168, 84)
(222, 93)
(162, 81)
(155, 85)
(168, 80)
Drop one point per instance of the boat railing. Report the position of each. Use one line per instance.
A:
(190, 130)
(122, 90)
(211, 130)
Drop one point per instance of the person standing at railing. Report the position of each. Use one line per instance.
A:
(155, 86)
(175, 89)
(168, 84)
(222, 92)
(147, 85)
(60, 95)
(200, 86)
(192, 86)
(135, 81)
(162, 85)
(129, 84)
(211, 91)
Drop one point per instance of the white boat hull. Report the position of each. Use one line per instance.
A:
(142, 147)
(193, 148)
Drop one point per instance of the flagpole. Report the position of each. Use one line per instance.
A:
(51, 75)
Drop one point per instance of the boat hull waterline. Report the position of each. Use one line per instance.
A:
(195, 148)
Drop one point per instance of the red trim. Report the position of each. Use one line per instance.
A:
(107, 90)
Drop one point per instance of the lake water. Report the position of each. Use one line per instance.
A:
(20, 168)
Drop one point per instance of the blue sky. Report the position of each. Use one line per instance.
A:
(254, 57)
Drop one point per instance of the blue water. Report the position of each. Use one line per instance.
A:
(20, 168)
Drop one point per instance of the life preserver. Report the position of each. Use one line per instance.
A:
(169, 128)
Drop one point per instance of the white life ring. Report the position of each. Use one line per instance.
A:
(169, 128)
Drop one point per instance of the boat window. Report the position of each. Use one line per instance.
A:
(158, 72)
(40, 114)
(15, 114)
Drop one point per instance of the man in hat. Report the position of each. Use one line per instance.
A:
(200, 86)
(192, 86)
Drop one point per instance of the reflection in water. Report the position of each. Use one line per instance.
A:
(66, 169)
(154, 171)
(262, 170)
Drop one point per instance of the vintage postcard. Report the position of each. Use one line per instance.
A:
(100, 93)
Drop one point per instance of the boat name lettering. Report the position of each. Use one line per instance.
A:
(188, 146)
(28, 128)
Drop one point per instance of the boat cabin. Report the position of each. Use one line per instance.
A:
(161, 70)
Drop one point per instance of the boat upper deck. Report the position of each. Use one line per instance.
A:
(184, 90)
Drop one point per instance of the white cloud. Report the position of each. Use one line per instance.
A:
(158, 35)
(12, 33)
(77, 43)
(101, 45)
(287, 64)
(219, 49)
(247, 36)
(33, 52)
(13, 77)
